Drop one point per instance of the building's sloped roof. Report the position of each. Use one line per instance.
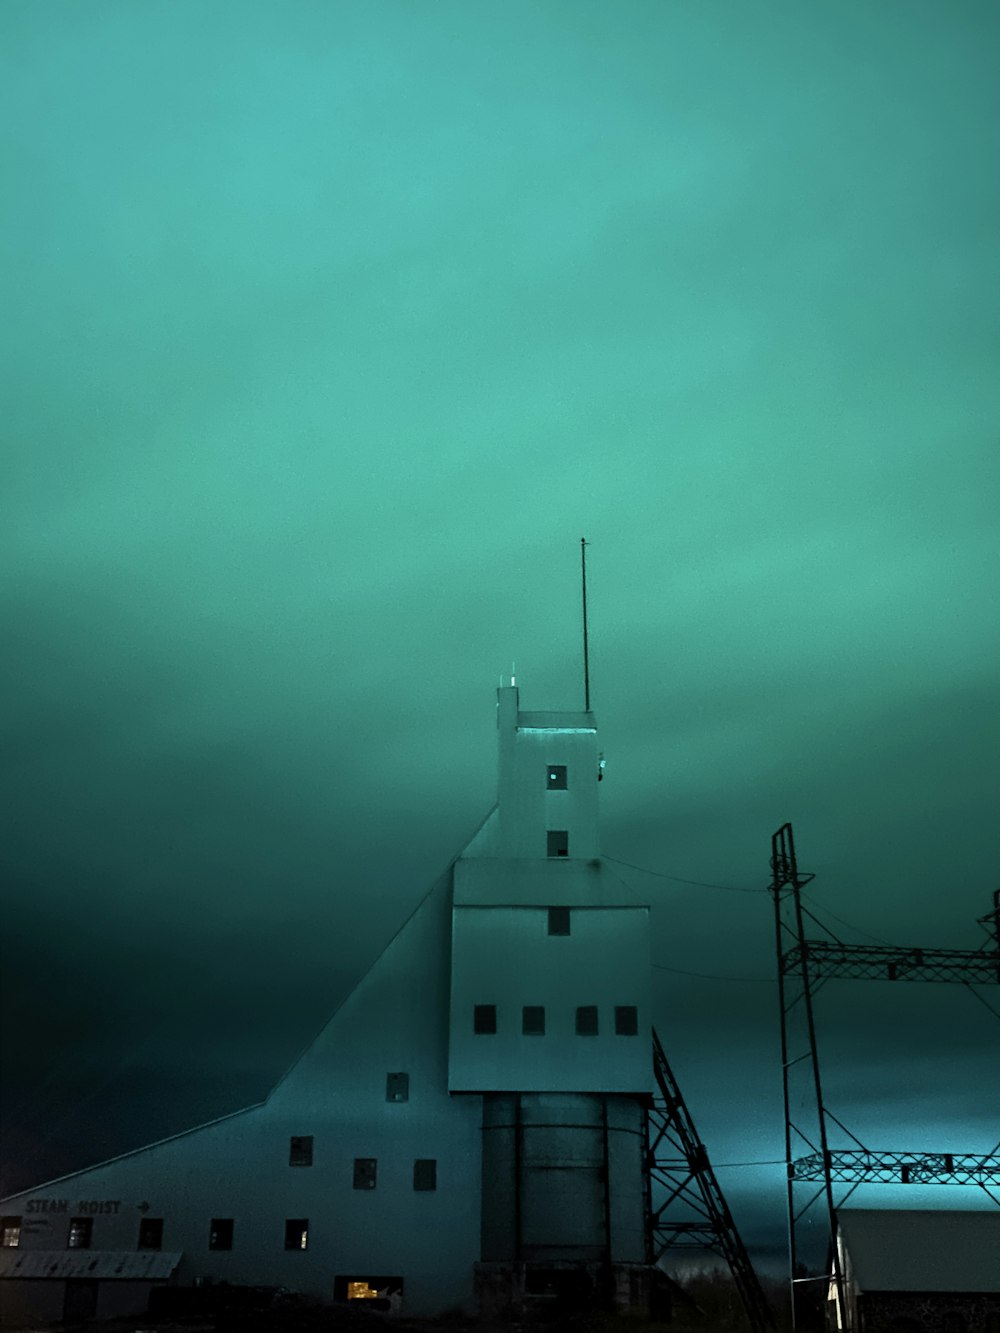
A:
(923, 1249)
(153, 1265)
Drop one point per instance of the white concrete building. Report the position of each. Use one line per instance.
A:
(470, 1121)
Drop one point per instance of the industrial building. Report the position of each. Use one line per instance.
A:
(469, 1125)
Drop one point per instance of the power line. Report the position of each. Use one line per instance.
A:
(699, 883)
(708, 976)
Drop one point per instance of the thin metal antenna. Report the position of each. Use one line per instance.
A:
(586, 660)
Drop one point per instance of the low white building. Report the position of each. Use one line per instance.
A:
(469, 1124)
(920, 1270)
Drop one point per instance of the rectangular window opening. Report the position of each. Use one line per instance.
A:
(557, 842)
(533, 1020)
(10, 1232)
(80, 1231)
(151, 1234)
(365, 1172)
(300, 1150)
(555, 777)
(558, 920)
(297, 1233)
(397, 1087)
(220, 1234)
(380, 1293)
(586, 1020)
(484, 1019)
(425, 1173)
(626, 1020)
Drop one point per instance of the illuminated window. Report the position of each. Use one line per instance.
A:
(365, 1170)
(484, 1019)
(220, 1234)
(397, 1087)
(555, 777)
(558, 920)
(558, 842)
(80, 1231)
(425, 1173)
(151, 1233)
(300, 1150)
(533, 1020)
(586, 1020)
(297, 1233)
(626, 1020)
(10, 1232)
(384, 1293)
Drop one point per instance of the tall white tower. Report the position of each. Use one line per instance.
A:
(550, 1016)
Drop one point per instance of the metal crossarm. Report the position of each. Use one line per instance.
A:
(678, 1162)
(848, 1167)
(876, 962)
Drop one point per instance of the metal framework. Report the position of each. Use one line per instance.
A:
(803, 965)
(677, 1161)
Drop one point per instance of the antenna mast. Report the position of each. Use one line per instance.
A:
(586, 660)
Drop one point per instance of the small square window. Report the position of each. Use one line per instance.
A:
(533, 1020)
(425, 1173)
(586, 1020)
(151, 1233)
(297, 1233)
(10, 1232)
(397, 1087)
(300, 1150)
(557, 842)
(220, 1234)
(484, 1019)
(555, 777)
(558, 920)
(626, 1020)
(80, 1231)
(365, 1171)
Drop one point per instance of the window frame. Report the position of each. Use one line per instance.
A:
(221, 1223)
(145, 1222)
(556, 777)
(300, 1149)
(583, 1019)
(535, 1027)
(83, 1229)
(296, 1226)
(366, 1173)
(484, 1020)
(424, 1171)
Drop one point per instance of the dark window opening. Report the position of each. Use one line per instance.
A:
(555, 777)
(10, 1232)
(365, 1171)
(558, 920)
(297, 1233)
(533, 1020)
(378, 1293)
(397, 1087)
(484, 1018)
(151, 1233)
(558, 842)
(626, 1020)
(425, 1173)
(80, 1231)
(220, 1234)
(300, 1150)
(586, 1020)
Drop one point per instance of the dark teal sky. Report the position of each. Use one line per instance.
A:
(330, 327)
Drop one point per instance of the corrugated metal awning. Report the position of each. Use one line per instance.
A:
(153, 1265)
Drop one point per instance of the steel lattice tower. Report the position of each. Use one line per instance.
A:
(803, 965)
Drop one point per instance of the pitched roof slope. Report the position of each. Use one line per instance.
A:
(923, 1249)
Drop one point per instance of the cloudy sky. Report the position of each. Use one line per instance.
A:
(330, 328)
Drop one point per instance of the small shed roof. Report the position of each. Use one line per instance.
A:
(152, 1265)
(923, 1249)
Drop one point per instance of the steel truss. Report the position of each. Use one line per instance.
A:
(677, 1161)
(803, 964)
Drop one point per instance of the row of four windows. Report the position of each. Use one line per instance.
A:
(484, 1020)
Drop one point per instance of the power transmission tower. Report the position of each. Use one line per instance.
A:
(803, 966)
(677, 1161)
